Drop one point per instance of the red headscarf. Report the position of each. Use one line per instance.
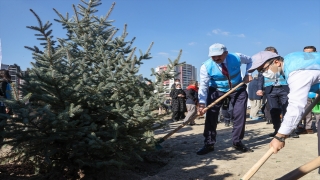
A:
(195, 88)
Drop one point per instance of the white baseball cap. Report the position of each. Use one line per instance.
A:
(216, 49)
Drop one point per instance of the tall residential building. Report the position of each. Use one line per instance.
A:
(13, 71)
(166, 84)
(5, 66)
(187, 72)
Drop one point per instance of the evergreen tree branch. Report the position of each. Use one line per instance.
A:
(111, 36)
(39, 21)
(76, 14)
(131, 54)
(110, 10)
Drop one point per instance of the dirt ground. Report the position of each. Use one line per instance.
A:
(177, 160)
(225, 163)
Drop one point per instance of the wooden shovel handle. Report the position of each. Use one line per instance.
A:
(302, 170)
(205, 109)
(297, 172)
(258, 164)
(223, 96)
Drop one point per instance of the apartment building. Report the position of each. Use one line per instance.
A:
(187, 72)
(13, 71)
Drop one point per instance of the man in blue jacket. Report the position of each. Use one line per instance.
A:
(308, 120)
(302, 71)
(219, 74)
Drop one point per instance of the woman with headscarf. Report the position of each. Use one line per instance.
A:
(178, 103)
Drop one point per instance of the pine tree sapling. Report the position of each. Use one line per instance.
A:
(87, 107)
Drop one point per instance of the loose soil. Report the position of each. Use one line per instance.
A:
(177, 160)
(225, 163)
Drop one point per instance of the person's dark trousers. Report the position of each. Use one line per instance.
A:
(239, 103)
(176, 115)
(182, 116)
(262, 110)
(3, 111)
(278, 102)
(227, 114)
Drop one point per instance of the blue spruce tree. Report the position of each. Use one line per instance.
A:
(86, 108)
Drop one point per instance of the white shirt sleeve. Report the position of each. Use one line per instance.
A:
(299, 83)
(245, 60)
(204, 84)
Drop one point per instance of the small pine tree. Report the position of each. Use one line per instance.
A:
(87, 109)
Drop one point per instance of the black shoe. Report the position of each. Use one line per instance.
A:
(192, 124)
(205, 149)
(294, 135)
(272, 134)
(226, 123)
(268, 121)
(315, 131)
(241, 147)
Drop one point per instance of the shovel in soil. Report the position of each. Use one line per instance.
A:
(295, 174)
(158, 146)
(302, 170)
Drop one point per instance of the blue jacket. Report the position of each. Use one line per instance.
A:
(270, 82)
(302, 61)
(218, 80)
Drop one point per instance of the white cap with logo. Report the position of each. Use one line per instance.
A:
(216, 49)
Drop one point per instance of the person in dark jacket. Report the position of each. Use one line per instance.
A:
(192, 101)
(254, 99)
(173, 87)
(5, 79)
(178, 103)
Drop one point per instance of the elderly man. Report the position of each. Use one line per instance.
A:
(219, 74)
(302, 72)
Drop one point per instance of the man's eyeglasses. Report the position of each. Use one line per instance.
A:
(266, 68)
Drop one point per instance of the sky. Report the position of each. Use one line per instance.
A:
(246, 27)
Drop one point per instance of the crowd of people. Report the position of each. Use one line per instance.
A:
(281, 90)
